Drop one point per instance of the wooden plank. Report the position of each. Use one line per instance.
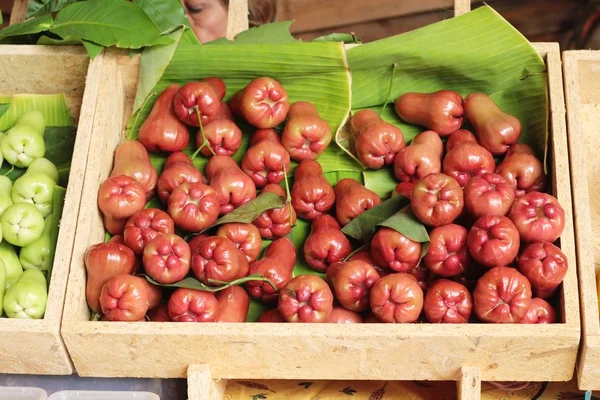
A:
(469, 383)
(309, 15)
(35, 346)
(581, 76)
(18, 12)
(201, 385)
(461, 7)
(237, 18)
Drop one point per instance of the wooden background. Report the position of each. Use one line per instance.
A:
(538, 20)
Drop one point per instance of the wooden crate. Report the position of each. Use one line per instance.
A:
(35, 346)
(582, 90)
(211, 353)
(18, 11)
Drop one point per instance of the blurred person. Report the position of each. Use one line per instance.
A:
(208, 18)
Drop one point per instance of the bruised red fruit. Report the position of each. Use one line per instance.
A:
(125, 298)
(193, 206)
(488, 194)
(540, 312)
(495, 129)
(167, 259)
(306, 298)
(340, 315)
(397, 298)
(447, 254)
(223, 137)
(538, 217)
(102, 262)
(119, 197)
(246, 237)
(263, 103)
(272, 315)
(376, 141)
(132, 159)
(162, 130)
(159, 314)
(189, 305)
(276, 222)
(459, 137)
(391, 249)
(432, 140)
(312, 195)
(415, 162)
(216, 258)
(325, 244)
(437, 199)
(502, 295)
(448, 302)
(493, 241)
(234, 188)
(306, 135)
(353, 283)
(144, 226)
(276, 265)
(352, 199)
(468, 160)
(178, 169)
(441, 111)
(199, 98)
(266, 161)
(524, 171)
(233, 305)
(421, 274)
(545, 266)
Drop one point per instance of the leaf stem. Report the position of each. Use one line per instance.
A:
(364, 246)
(12, 168)
(288, 198)
(387, 99)
(204, 141)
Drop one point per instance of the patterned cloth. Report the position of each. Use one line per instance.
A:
(377, 390)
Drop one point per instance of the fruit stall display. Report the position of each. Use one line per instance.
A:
(39, 111)
(178, 236)
(581, 88)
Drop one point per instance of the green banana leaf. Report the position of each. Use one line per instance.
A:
(59, 135)
(164, 13)
(478, 51)
(58, 202)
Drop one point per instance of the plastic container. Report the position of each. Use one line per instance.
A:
(22, 393)
(101, 395)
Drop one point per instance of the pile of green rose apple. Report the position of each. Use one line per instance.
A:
(491, 227)
(26, 219)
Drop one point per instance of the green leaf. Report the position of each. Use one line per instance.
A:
(35, 25)
(108, 23)
(276, 32)
(193, 283)
(92, 48)
(339, 37)
(4, 108)
(476, 52)
(58, 202)
(67, 41)
(164, 13)
(45, 7)
(154, 61)
(405, 222)
(252, 209)
(255, 310)
(381, 181)
(54, 108)
(364, 226)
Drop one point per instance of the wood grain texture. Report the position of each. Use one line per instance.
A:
(461, 7)
(28, 346)
(201, 385)
(311, 15)
(295, 351)
(18, 11)
(581, 81)
(237, 18)
(469, 384)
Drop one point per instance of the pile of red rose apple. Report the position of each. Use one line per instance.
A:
(490, 223)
